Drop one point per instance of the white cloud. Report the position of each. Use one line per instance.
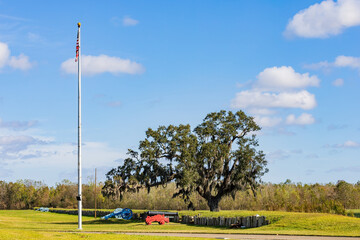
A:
(267, 121)
(303, 119)
(340, 61)
(351, 144)
(324, 19)
(278, 88)
(24, 153)
(338, 82)
(4, 54)
(60, 161)
(21, 62)
(257, 99)
(320, 65)
(283, 78)
(347, 61)
(346, 144)
(92, 65)
(11, 146)
(127, 21)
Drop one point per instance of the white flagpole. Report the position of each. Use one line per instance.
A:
(79, 198)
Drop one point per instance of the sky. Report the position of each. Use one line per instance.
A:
(292, 65)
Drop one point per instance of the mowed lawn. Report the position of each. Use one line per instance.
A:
(32, 225)
(29, 224)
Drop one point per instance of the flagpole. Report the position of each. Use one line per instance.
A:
(79, 198)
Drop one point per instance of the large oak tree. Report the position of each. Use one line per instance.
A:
(217, 158)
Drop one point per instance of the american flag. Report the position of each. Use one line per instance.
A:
(77, 47)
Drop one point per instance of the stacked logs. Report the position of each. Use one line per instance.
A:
(240, 222)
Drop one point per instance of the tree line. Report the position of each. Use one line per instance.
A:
(286, 196)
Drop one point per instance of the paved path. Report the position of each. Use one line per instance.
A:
(245, 236)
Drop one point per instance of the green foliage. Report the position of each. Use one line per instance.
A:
(292, 197)
(216, 159)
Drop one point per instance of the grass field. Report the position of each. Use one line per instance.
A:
(29, 224)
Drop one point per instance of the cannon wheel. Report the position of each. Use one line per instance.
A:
(126, 213)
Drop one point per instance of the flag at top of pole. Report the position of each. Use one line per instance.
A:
(78, 60)
(77, 44)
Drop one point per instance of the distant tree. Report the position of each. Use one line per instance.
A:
(64, 195)
(218, 158)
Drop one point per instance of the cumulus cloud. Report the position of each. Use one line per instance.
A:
(92, 65)
(350, 144)
(128, 21)
(340, 61)
(347, 61)
(284, 78)
(278, 88)
(324, 19)
(20, 62)
(338, 82)
(4, 54)
(303, 119)
(257, 99)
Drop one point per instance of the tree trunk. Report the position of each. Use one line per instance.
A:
(213, 204)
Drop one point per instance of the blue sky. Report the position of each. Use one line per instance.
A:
(293, 65)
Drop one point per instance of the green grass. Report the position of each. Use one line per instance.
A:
(29, 224)
(41, 235)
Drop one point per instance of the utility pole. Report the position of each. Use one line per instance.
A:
(95, 193)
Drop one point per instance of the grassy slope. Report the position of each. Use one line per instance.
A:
(49, 224)
(31, 225)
